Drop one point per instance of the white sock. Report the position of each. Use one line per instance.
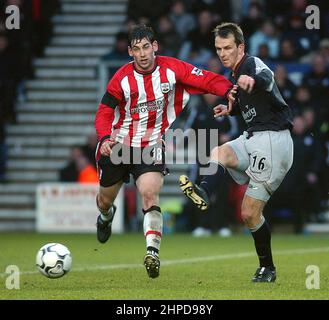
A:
(106, 215)
(153, 223)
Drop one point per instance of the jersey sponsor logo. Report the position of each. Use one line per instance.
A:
(148, 106)
(165, 87)
(197, 71)
(249, 114)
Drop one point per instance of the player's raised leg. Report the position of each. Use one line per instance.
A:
(221, 157)
(149, 185)
(105, 204)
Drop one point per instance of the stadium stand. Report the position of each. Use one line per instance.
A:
(60, 104)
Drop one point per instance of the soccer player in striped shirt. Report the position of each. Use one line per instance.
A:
(141, 101)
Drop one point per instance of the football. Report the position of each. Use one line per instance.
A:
(54, 260)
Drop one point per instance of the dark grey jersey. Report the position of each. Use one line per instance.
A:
(264, 108)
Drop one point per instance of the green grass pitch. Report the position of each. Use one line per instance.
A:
(191, 268)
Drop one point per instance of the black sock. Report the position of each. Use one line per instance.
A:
(212, 182)
(262, 238)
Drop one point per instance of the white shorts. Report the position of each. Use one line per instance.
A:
(263, 160)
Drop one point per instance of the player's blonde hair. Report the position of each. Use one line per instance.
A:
(225, 29)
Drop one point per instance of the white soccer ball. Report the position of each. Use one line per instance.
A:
(54, 260)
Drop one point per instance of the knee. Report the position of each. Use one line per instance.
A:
(149, 198)
(216, 153)
(104, 202)
(248, 215)
(224, 155)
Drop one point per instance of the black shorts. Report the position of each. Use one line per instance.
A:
(125, 161)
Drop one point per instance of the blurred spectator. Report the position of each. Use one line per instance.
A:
(318, 81)
(253, 21)
(323, 51)
(285, 85)
(79, 168)
(302, 38)
(129, 25)
(215, 66)
(310, 121)
(194, 54)
(302, 100)
(120, 50)
(119, 53)
(201, 35)
(264, 53)
(198, 47)
(301, 181)
(147, 9)
(183, 21)
(297, 7)
(81, 158)
(287, 51)
(86, 171)
(169, 38)
(266, 35)
(89, 148)
(221, 9)
(277, 10)
(70, 173)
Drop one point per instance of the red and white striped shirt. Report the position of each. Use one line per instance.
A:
(138, 107)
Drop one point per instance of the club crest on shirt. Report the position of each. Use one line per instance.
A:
(165, 87)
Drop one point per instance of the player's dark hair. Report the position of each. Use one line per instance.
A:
(140, 32)
(224, 30)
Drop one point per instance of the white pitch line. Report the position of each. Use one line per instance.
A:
(184, 261)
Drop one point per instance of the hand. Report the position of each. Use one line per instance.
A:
(221, 110)
(246, 83)
(106, 147)
(231, 98)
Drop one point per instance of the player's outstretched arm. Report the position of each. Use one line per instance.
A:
(199, 81)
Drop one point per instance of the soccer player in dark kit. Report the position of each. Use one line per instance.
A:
(262, 155)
